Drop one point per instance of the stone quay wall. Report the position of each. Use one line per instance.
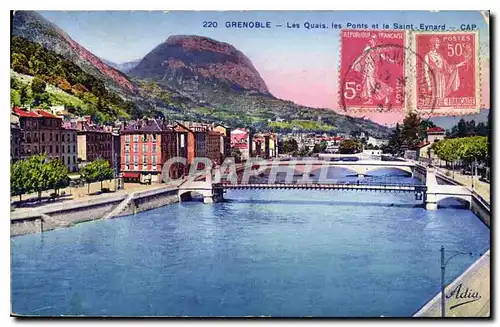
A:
(77, 211)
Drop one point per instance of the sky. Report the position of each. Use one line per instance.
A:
(297, 64)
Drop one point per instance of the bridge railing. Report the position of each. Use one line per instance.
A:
(340, 183)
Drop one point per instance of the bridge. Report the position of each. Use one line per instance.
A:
(360, 167)
(437, 192)
(430, 191)
(419, 190)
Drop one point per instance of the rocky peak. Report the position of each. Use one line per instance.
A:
(191, 61)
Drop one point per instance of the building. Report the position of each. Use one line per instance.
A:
(265, 145)
(145, 146)
(201, 139)
(94, 142)
(116, 152)
(185, 145)
(225, 133)
(15, 138)
(240, 141)
(69, 152)
(434, 134)
(50, 134)
(214, 147)
(376, 142)
(40, 133)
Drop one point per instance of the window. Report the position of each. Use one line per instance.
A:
(144, 137)
(136, 148)
(136, 166)
(153, 137)
(136, 138)
(28, 137)
(50, 137)
(127, 138)
(74, 159)
(136, 159)
(50, 149)
(127, 148)
(153, 160)
(74, 137)
(127, 167)
(153, 149)
(43, 148)
(144, 148)
(144, 160)
(182, 140)
(74, 148)
(69, 160)
(127, 159)
(57, 137)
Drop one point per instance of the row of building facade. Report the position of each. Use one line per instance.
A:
(136, 150)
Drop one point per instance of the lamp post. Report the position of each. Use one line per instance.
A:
(443, 267)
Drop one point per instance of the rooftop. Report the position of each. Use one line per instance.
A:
(435, 130)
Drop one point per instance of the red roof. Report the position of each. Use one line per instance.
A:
(422, 144)
(37, 113)
(435, 130)
(46, 114)
(24, 113)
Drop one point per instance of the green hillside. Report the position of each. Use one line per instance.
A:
(80, 92)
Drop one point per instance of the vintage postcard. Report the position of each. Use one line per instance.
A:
(250, 164)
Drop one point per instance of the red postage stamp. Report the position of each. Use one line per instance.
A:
(372, 70)
(447, 73)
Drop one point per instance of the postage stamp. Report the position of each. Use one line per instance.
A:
(372, 70)
(447, 77)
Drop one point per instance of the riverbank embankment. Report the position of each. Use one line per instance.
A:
(68, 213)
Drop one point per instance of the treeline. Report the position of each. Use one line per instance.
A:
(33, 59)
(464, 149)
(470, 128)
(38, 173)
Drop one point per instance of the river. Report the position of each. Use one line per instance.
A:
(261, 252)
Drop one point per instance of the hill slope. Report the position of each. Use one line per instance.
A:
(33, 27)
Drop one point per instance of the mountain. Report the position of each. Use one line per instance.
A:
(225, 85)
(124, 67)
(33, 27)
(184, 78)
(194, 62)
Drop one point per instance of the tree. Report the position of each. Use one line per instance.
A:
(38, 85)
(320, 147)
(304, 151)
(460, 130)
(97, 170)
(18, 185)
(58, 174)
(411, 132)
(349, 146)
(88, 174)
(236, 154)
(395, 141)
(25, 96)
(105, 172)
(290, 146)
(37, 174)
(19, 63)
(15, 98)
